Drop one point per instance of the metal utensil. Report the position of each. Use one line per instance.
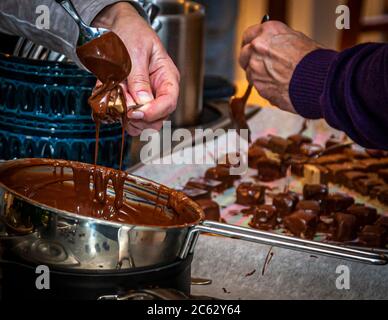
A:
(86, 33)
(238, 104)
(42, 234)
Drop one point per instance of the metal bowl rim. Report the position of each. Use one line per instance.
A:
(95, 220)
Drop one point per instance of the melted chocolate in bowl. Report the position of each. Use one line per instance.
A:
(84, 190)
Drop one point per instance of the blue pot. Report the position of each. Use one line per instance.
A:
(44, 113)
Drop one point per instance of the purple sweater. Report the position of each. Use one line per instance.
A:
(348, 89)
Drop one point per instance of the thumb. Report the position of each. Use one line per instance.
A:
(139, 85)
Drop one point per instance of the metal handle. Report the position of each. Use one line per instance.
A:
(70, 9)
(281, 241)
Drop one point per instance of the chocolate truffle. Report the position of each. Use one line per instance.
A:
(310, 150)
(377, 190)
(345, 227)
(262, 142)
(336, 202)
(373, 236)
(279, 145)
(211, 209)
(310, 205)
(285, 203)
(197, 194)
(264, 217)
(255, 153)
(325, 224)
(315, 192)
(383, 197)
(297, 163)
(270, 170)
(349, 178)
(222, 174)
(296, 142)
(365, 186)
(382, 221)
(205, 184)
(364, 215)
(335, 170)
(249, 194)
(383, 174)
(302, 223)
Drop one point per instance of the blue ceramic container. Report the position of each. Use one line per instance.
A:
(44, 113)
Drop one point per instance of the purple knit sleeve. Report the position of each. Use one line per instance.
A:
(348, 89)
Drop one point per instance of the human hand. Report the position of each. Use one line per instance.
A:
(154, 79)
(270, 53)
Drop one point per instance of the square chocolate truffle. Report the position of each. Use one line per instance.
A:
(279, 145)
(249, 194)
(345, 227)
(349, 178)
(365, 186)
(335, 170)
(255, 153)
(262, 142)
(383, 197)
(296, 142)
(316, 192)
(373, 236)
(364, 215)
(336, 202)
(383, 174)
(302, 224)
(285, 203)
(222, 174)
(211, 209)
(264, 217)
(205, 184)
(270, 170)
(297, 163)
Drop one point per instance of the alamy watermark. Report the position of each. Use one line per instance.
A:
(342, 282)
(343, 20)
(42, 281)
(42, 21)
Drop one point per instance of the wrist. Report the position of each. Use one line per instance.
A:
(110, 14)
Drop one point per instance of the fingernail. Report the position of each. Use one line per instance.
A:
(136, 115)
(144, 97)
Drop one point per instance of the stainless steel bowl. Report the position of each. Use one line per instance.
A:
(32, 232)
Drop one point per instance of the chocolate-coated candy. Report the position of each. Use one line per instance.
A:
(336, 202)
(345, 227)
(315, 192)
(249, 194)
(302, 223)
(373, 236)
(211, 209)
(285, 203)
(364, 215)
(270, 170)
(264, 217)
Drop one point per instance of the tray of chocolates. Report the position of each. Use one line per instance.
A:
(335, 192)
